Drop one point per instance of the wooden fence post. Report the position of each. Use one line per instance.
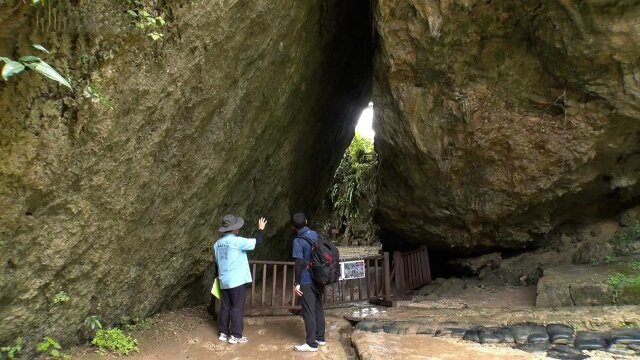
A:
(427, 265)
(387, 278)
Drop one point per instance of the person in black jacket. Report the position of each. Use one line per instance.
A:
(309, 291)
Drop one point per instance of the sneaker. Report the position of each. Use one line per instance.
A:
(304, 348)
(235, 340)
(321, 343)
(223, 337)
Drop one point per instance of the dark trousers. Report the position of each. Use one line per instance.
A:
(313, 313)
(232, 311)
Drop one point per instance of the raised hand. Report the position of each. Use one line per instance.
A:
(262, 222)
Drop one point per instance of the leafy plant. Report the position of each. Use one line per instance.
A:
(355, 177)
(624, 236)
(115, 340)
(618, 281)
(144, 20)
(10, 352)
(137, 323)
(12, 67)
(607, 260)
(92, 92)
(93, 322)
(61, 297)
(52, 348)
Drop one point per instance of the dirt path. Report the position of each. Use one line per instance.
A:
(192, 334)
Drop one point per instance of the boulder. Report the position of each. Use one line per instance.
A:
(575, 286)
(630, 217)
(471, 335)
(522, 333)
(625, 336)
(499, 121)
(560, 334)
(489, 336)
(592, 251)
(478, 265)
(587, 340)
(114, 197)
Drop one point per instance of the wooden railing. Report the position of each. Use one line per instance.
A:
(273, 284)
(411, 269)
(272, 289)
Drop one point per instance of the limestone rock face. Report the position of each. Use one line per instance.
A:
(499, 120)
(243, 107)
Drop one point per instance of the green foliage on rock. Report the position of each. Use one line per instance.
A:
(137, 323)
(355, 177)
(115, 340)
(625, 236)
(625, 284)
(10, 352)
(147, 19)
(61, 297)
(93, 322)
(92, 92)
(52, 348)
(12, 67)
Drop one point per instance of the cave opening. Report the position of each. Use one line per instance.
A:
(351, 198)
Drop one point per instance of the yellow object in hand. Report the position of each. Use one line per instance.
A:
(215, 289)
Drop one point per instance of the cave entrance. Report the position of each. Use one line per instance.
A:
(351, 199)
(364, 127)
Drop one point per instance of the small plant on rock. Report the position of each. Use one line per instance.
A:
(150, 21)
(12, 67)
(92, 92)
(618, 281)
(93, 322)
(624, 236)
(114, 340)
(10, 352)
(61, 297)
(52, 348)
(138, 323)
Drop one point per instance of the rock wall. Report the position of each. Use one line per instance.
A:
(500, 120)
(243, 107)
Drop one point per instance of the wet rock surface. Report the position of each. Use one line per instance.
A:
(117, 206)
(555, 339)
(625, 336)
(565, 352)
(560, 334)
(499, 121)
(586, 340)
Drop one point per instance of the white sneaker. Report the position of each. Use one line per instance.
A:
(304, 348)
(235, 340)
(223, 337)
(321, 343)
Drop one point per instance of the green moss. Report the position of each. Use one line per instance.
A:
(624, 236)
(625, 283)
(630, 293)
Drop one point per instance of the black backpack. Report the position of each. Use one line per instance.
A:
(325, 261)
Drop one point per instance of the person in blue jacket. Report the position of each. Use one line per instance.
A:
(309, 291)
(233, 272)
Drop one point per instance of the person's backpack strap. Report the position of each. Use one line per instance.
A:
(311, 242)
